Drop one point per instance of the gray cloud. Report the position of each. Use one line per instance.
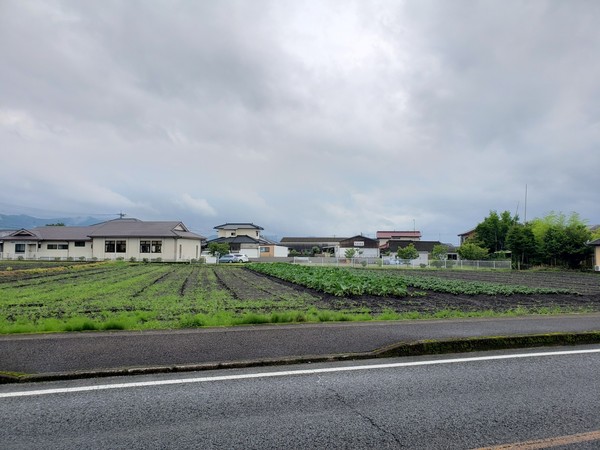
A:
(307, 118)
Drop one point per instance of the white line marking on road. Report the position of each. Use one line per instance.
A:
(286, 373)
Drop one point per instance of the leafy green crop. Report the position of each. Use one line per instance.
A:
(347, 282)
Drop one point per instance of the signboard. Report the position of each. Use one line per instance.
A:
(359, 243)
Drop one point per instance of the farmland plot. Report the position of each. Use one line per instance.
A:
(452, 291)
(122, 295)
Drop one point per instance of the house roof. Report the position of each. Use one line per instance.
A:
(137, 228)
(63, 233)
(112, 228)
(466, 233)
(595, 243)
(421, 246)
(312, 240)
(237, 226)
(242, 239)
(393, 234)
(367, 241)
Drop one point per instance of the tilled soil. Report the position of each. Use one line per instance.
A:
(431, 302)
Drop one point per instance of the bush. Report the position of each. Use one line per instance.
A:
(82, 258)
(133, 259)
(120, 258)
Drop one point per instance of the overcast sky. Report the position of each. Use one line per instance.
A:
(312, 118)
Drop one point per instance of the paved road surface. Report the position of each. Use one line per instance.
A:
(72, 352)
(433, 403)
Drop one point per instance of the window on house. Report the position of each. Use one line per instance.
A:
(52, 247)
(109, 246)
(19, 248)
(63, 246)
(264, 249)
(79, 243)
(232, 233)
(144, 246)
(150, 246)
(121, 246)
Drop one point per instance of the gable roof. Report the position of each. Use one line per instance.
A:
(113, 228)
(595, 243)
(237, 226)
(21, 234)
(137, 228)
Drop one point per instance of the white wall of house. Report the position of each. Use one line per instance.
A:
(252, 232)
(280, 251)
(170, 249)
(250, 250)
(12, 249)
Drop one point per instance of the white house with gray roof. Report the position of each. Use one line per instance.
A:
(119, 238)
(244, 237)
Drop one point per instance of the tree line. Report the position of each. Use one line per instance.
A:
(554, 240)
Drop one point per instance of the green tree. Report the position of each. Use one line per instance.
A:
(439, 252)
(57, 224)
(220, 248)
(521, 242)
(350, 253)
(408, 252)
(472, 252)
(492, 232)
(561, 240)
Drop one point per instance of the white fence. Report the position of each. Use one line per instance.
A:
(402, 263)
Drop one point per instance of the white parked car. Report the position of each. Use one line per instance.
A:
(240, 257)
(233, 258)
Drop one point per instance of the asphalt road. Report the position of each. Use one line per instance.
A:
(442, 402)
(101, 352)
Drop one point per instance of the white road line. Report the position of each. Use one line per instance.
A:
(290, 373)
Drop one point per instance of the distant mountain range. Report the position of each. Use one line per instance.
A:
(16, 222)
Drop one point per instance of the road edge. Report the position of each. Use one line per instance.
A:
(402, 349)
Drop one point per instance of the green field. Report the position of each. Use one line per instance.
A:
(50, 297)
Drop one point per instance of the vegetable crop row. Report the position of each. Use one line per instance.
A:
(342, 282)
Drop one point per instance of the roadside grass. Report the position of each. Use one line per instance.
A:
(226, 319)
(136, 296)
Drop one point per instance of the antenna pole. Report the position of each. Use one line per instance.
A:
(525, 213)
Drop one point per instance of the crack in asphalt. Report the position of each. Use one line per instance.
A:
(373, 423)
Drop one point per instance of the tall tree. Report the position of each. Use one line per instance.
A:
(561, 240)
(521, 242)
(491, 233)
